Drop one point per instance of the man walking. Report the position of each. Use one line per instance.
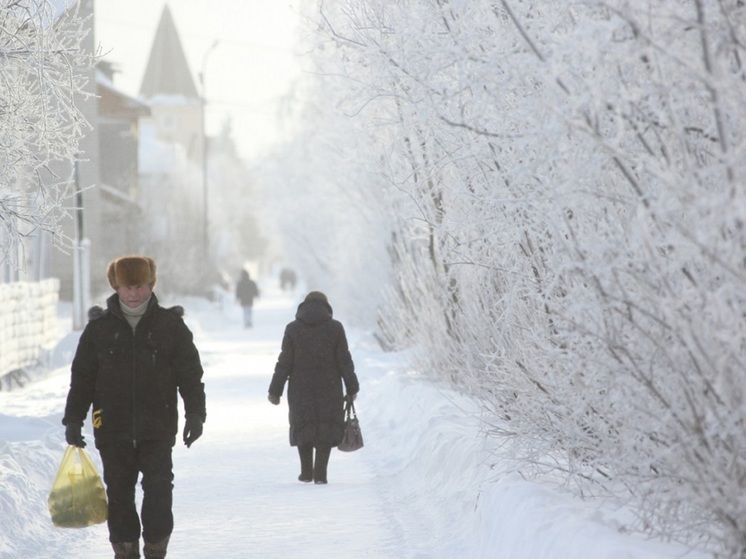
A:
(246, 292)
(132, 359)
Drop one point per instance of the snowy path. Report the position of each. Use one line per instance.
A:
(236, 490)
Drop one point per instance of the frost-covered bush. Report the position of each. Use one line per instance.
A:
(560, 197)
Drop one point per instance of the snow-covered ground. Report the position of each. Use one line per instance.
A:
(424, 486)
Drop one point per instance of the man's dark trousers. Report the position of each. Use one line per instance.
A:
(122, 464)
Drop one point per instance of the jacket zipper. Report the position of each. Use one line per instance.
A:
(134, 390)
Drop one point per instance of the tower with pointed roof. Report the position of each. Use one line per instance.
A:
(169, 88)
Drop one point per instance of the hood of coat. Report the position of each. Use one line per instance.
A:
(314, 312)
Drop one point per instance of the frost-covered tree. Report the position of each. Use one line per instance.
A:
(324, 202)
(41, 75)
(560, 198)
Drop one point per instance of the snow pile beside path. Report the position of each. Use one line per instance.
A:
(24, 474)
(31, 448)
(435, 471)
(518, 518)
(425, 449)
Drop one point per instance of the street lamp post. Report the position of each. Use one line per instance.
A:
(205, 190)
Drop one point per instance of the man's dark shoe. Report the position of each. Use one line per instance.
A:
(156, 550)
(126, 550)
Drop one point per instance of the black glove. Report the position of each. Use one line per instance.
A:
(73, 434)
(274, 399)
(192, 429)
(352, 397)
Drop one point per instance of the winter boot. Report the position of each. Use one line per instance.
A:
(320, 465)
(126, 550)
(306, 463)
(156, 550)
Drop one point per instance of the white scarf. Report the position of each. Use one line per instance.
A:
(133, 316)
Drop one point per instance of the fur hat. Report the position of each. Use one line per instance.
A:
(131, 270)
(316, 296)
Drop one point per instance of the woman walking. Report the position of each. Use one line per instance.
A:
(315, 361)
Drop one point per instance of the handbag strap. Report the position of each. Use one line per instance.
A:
(350, 408)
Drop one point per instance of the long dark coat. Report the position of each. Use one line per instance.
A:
(132, 379)
(315, 361)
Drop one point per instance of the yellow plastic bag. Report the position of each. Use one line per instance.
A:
(77, 498)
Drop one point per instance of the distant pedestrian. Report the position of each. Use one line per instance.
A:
(288, 279)
(315, 361)
(133, 359)
(246, 292)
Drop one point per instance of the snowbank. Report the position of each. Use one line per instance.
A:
(438, 479)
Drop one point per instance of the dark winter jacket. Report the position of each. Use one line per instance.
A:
(132, 379)
(315, 360)
(246, 290)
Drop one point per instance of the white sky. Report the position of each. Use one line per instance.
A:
(246, 75)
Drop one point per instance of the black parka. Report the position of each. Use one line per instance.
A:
(246, 290)
(132, 379)
(315, 361)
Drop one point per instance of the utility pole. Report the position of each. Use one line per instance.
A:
(81, 259)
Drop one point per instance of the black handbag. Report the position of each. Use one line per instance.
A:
(353, 437)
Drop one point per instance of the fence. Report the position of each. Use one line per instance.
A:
(28, 326)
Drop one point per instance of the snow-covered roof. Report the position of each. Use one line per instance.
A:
(162, 99)
(117, 194)
(126, 101)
